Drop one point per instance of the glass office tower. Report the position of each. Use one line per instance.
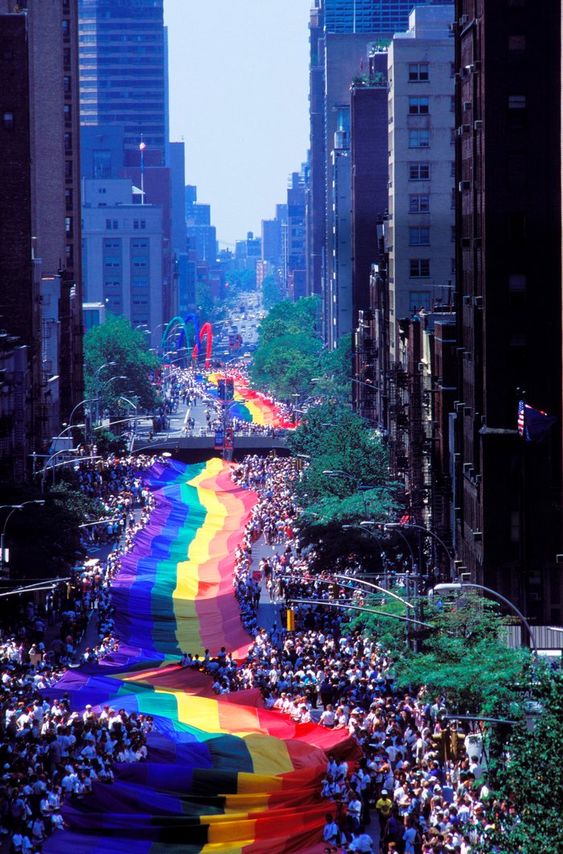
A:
(123, 68)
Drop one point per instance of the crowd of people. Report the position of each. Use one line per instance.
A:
(49, 753)
(411, 773)
(416, 773)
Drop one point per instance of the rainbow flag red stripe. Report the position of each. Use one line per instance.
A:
(223, 773)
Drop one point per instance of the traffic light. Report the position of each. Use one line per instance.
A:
(290, 620)
(229, 388)
(221, 388)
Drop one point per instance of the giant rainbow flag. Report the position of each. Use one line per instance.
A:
(223, 774)
(251, 405)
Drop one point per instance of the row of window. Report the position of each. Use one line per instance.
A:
(113, 224)
(419, 268)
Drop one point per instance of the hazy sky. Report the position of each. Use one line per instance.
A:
(238, 98)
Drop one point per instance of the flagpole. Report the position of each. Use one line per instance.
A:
(142, 147)
(523, 509)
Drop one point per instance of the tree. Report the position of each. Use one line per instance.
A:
(335, 372)
(54, 545)
(529, 776)
(465, 658)
(287, 356)
(204, 298)
(241, 280)
(271, 292)
(116, 342)
(337, 439)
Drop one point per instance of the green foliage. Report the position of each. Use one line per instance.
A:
(287, 356)
(241, 280)
(108, 442)
(204, 298)
(466, 658)
(115, 341)
(390, 633)
(337, 439)
(54, 545)
(271, 292)
(530, 776)
(334, 381)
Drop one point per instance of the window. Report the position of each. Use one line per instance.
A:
(420, 299)
(516, 102)
(419, 268)
(68, 225)
(419, 171)
(516, 43)
(8, 121)
(108, 224)
(517, 282)
(68, 142)
(419, 235)
(419, 138)
(418, 71)
(143, 223)
(418, 106)
(115, 224)
(101, 163)
(135, 223)
(452, 169)
(419, 203)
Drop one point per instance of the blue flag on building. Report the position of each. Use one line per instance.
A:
(533, 424)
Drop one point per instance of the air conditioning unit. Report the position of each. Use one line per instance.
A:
(478, 302)
(477, 536)
(464, 185)
(463, 20)
(467, 299)
(467, 409)
(467, 105)
(478, 479)
(478, 124)
(467, 467)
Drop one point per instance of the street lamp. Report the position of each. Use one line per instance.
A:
(134, 430)
(12, 507)
(103, 386)
(395, 526)
(386, 527)
(467, 585)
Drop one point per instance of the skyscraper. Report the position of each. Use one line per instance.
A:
(341, 35)
(507, 492)
(360, 16)
(40, 269)
(123, 69)
(421, 161)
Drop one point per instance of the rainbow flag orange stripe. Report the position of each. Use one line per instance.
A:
(223, 773)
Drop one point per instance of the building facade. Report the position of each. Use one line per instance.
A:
(123, 253)
(123, 69)
(420, 234)
(507, 491)
(40, 264)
